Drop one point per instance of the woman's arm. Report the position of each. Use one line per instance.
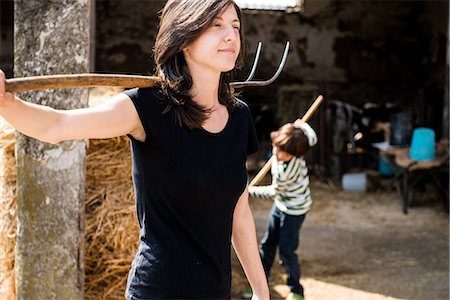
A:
(246, 247)
(114, 117)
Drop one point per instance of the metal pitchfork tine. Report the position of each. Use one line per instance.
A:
(255, 62)
(16, 85)
(248, 82)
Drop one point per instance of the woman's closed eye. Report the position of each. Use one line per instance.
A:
(220, 25)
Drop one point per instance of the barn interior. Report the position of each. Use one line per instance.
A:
(383, 69)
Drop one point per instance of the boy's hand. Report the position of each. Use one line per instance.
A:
(298, 123)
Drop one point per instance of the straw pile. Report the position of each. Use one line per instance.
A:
(111, 227)
(7, 211)
(112, 231)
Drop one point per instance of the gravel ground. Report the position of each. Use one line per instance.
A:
(361, 246)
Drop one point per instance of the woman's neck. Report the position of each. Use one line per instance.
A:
(205, 88)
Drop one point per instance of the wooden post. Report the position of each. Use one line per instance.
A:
(51, 37)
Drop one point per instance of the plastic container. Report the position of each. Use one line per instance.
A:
(354, 182)
(422, 144)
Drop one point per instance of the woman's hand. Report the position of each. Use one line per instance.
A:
(256, 297)
(5, 97)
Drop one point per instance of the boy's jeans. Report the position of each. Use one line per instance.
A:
(284, 232)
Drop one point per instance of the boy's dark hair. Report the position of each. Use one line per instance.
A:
(290, 139)
(181, 23)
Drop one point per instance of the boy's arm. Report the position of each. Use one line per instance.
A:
(280, 183)
(308, 130)
(265, 191)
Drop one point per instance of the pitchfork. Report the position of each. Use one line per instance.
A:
(23, 84)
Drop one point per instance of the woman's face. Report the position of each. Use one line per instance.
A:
(217, 48)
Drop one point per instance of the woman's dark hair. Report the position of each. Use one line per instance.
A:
(182, 21)
(290, 139)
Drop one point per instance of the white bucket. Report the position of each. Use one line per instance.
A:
(354, 182)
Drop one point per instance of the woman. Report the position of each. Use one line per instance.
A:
(190, 138)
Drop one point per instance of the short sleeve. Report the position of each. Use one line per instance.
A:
(148, 107)
(252, 144)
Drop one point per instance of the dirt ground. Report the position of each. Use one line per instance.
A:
(362, 246)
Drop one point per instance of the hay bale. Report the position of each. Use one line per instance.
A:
(112, 231)
(7, 211)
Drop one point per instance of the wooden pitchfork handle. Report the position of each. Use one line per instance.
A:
(268, 164)
(31, 83)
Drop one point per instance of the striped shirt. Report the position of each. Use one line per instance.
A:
(290, 183)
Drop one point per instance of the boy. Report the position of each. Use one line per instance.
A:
(292, 200)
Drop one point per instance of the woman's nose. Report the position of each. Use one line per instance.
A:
(230, 34)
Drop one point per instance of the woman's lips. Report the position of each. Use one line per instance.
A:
(228, 50)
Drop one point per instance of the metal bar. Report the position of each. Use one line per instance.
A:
(242, 84)
(255, 62)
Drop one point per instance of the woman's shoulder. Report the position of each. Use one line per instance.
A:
(241, 104)
(240, 111)
(153, 98)
(145, 93)
(241, 107)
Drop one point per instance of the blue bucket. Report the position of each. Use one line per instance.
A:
(422, 144)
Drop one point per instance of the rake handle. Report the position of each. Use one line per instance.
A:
(268, 164)
(31, 83)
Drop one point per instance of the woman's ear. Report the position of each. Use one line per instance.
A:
(185, 52)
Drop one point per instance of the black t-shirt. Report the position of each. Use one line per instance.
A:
(187, 183)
